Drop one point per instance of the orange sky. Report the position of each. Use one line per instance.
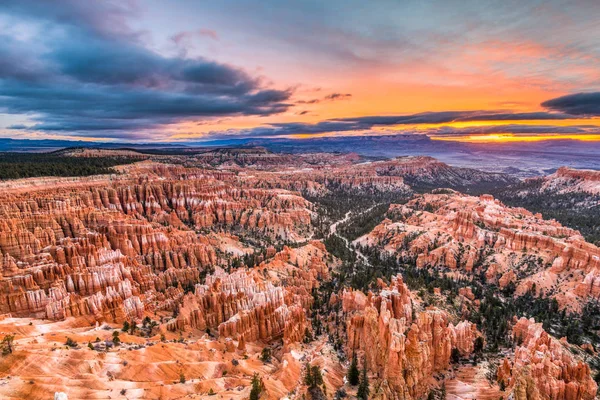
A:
(96, 72)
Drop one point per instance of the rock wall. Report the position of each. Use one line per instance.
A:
(264, 303)
(544, 368)
(480, 235)
(403, 347)
(104, 246)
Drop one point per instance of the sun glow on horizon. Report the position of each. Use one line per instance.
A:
(511, 137)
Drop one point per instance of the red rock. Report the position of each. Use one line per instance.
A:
(480, 235)
(103, 247)
(402, 352)
(544, 367)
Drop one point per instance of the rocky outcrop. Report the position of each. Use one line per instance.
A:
(106, 247)
(422, 171)
(264, 303)
(403, 347)
(482, 236)
(544, 368)
(569, 180)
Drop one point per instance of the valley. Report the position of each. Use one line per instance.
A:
(239, 273)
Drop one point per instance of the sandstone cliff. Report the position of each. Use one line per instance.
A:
(403, 347)
(106, 247)
(544, 368)
(480, 235)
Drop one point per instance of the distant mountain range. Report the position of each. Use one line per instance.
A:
(522, 159)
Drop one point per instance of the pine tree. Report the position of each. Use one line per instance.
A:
(313, 376)
(353, 372)
(265, 355)
(317, 378)
(116, 339)
(363, 387)
(308, 337)
(256, 388)
(308, 379)
(132, 327)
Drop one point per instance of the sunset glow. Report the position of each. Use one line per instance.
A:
(300, 200)
(518, 73)
(511, 137)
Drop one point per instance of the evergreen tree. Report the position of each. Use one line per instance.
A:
(308, 337)
(316, 375)
(312, 377)
(363, 387)
(257, 386)
(265, 355)
(116, 339)
(353, 372)
(308, 379)
(478, 345)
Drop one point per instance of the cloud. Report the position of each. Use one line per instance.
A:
(82, 74)
(587, 104)
(80, 67)
(338, 96)
(329, 97)
(370, 122)
(513, 129)
(311, 101)
(101, 18)
(182, 38)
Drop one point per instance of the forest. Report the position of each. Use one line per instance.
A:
(29, 165)
(580, 211)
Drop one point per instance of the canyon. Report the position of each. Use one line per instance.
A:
(475, 236)
(216, 273)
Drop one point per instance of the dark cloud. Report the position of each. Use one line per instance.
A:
(577, 104)
(311, 101)
(515, 116)
(338, 96)
(98, 107)
(513, 129)
(369, 122)
(87, 75)
(329, 97)
(101, 18)
(445, 117)
(182, 38)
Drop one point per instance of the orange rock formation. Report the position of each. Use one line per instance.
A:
(403, 347)
(544, 368)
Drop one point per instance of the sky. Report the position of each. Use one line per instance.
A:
(183, 70)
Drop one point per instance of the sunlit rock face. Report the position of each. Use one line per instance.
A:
(569, 180)
(223, 258)
(403, 347)
(264, 303)
(544, 367)
(481, 236)
(400, 176)
(107, 247)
